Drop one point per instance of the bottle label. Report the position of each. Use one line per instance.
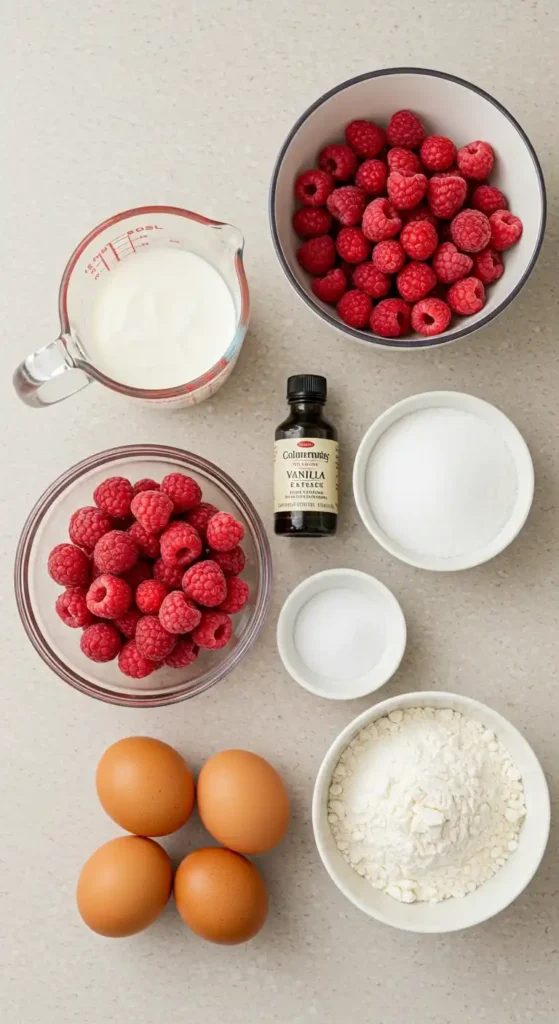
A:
(306, 475)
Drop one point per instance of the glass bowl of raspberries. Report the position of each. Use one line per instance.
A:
(143, 575)
(407, 208)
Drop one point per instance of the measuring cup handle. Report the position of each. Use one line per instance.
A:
(45, 378)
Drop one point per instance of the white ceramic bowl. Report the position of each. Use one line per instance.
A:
(448, 106)
(491, 897)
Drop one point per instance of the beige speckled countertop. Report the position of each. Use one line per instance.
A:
(104, 106)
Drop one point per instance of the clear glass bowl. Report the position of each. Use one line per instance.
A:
(47, 525)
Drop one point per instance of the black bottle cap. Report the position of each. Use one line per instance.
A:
(306, 387)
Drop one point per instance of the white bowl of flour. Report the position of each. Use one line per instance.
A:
(431, 812)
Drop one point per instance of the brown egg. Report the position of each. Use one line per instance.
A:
(243, 802)
(145, 786)
(124, 886)
(220, 895)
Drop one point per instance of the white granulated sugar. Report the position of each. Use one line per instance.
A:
(441, 482)
(340, 634)
(426, 804)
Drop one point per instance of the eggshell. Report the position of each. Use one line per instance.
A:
(243, 802)
(145, 786)
(220, 895)
(124, 886)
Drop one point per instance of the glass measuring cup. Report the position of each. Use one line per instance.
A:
(63, 367)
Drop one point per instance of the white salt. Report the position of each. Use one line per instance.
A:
(340, 634)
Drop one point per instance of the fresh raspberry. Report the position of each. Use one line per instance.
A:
(171, 575)
(365, 138)
(153, 642)
(87, 526)
(145, 484)
(109, 596)
(471, 231)
(237, 596)
(437, 153)
(405, 129)
(71, 607)
(415, 281)
(451, 265)
(331, 287)
(352, 245)
(181, 545)
(317, 255)
(466, 296)
(68, 565)
(313, 187)
(488, 265)
(446, 194)
(148, 543)
(183, 491)
(339, 161)
(100, 642)
(354, 308)
(371, 177)
(311, 221)
(346, 204)
(205, 584)
(178, 614)
(430, 316)
(132, 663)
(113, 496)
(149, 596)
(391, 318)
(406, 190)
(214, 631)
(138, 573)
(116, 552)
(476, 160)
(388, 256)
(224, 532)
(489, 199)
(404, 160)
(380, 220)
(231, 562)
(152, 509)
(126, 623)
(421, 212)
(419, 239)
(506, 229)
(371, 281)
(184, 653)
(200, 516)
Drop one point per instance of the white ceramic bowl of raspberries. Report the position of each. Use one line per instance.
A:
(407, 208)
(143, 575)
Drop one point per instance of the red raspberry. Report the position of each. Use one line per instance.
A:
(87, 526)
(415, 281)
(205, 584)
(371, 281)
(232, 562)
(138, 573)
(214, 631)
(406, 190)
(237, 596)
(171, 575)
(184, 653)
(200, 516)
(68, 565)
(421, 212)
(352, 245)
(476, 160)
(100, 642)
(145, 484)
(224, 532)
(419, 239)
(405, 129)
(346, 204)
(446, 194)
(149, 596)
(430, 316)
(403, 160)
(311, 221)
(71, 607)
(331, 287)
(391, 318)
(437, 153)
(178, 614)
(153, 642)
(506, 229)
(113, 496)
(183, 491)
(152, 509)
(132, 663)
(339, 161)
(354, 308)
(488, 265)
(466, 296)
(148, 543)
(116, 552)
(388, 256)
(181, 545)
(380, 220)
(371, 177)
(126, 624)
(317, 255)
(365, 138)
(451, 265)
(489, 199)
(471, 231)
(313, 187)
(109, 596)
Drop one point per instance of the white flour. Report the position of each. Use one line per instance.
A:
(426, 804)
